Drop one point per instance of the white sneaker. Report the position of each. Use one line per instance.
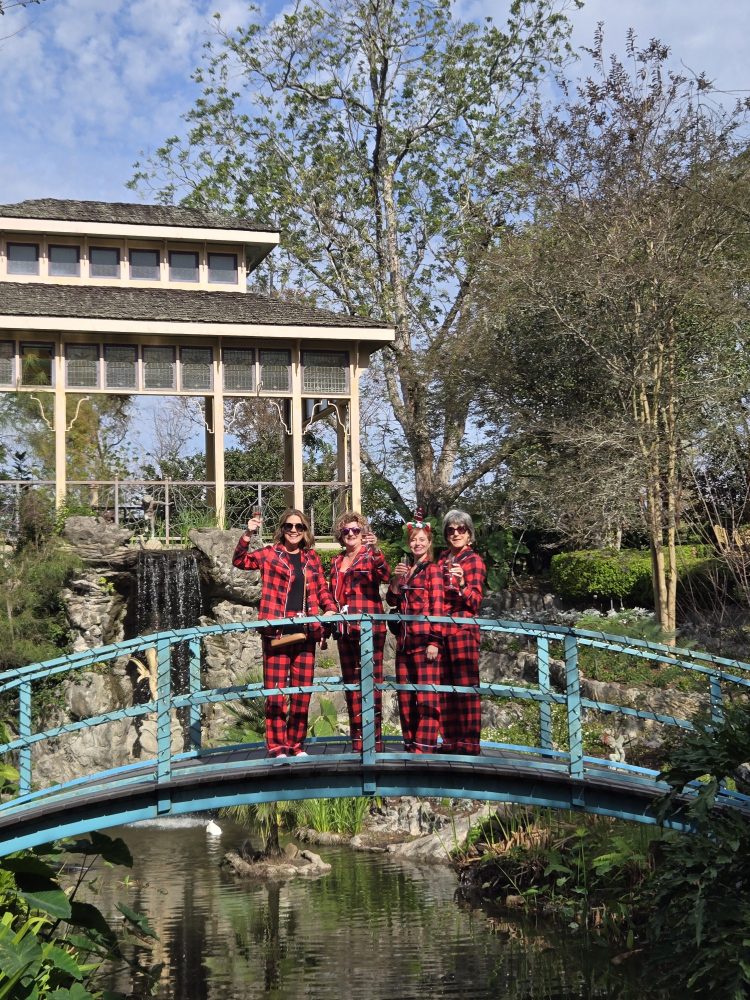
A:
(278, 756)
(302, 753)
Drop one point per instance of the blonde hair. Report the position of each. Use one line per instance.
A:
(345, 518)
(308, 539)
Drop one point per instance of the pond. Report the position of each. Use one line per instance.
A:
(374, 927)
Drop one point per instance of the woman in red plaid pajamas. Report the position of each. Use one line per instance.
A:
(463, 574)
(356, 575)
(418, 590)
(292, 583)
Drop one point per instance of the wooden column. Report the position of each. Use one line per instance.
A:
(59, 423)
(354, 457)
(297, 463)
(342, 445)
(215, 442)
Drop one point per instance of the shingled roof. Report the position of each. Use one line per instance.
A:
(166, 305)
(128, 213)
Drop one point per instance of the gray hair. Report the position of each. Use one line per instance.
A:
(461, 518)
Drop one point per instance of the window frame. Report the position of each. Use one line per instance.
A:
(196, 271)
(275, 350)
(16, 243)
(134, 353)
(253, 359)
(38, 344)
(196, 388)
(51, 263)
(111, 277)
(150, 250)
(80, 385)
(219, 281)
(325, 390)
(13, 380)
(145, 350)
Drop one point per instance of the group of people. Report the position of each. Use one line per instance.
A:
(293, 584)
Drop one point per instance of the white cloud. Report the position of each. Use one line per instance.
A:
(87, 84)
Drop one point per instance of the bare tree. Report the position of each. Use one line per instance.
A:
(631, 280)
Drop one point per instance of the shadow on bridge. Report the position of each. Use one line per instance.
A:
(202, 778)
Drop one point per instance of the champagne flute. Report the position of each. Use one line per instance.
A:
(404, 565)
(450, 580)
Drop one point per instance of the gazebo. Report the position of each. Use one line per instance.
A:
(152, 300)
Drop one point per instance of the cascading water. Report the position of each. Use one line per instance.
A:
(168, 591)
(168, 596)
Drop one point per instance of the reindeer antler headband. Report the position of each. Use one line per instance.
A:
(419, 523)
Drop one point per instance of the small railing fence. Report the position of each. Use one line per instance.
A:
(168, 508)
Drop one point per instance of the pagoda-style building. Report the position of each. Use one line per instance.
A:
(151, 300)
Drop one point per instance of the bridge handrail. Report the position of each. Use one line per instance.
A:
(165, 699)
(659, 652)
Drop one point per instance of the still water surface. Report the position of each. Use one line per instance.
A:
(373, 928)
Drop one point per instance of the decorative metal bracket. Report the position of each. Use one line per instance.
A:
(41, 410)
(84, 399)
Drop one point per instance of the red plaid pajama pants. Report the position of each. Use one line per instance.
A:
(460, 714)
(419, 710)
(349, 656)
(293, 666)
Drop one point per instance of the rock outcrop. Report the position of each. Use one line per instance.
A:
(97, 540)
(293, 863)
(221, 580)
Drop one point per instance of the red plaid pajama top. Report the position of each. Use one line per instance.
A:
(361, 585)
(422, 595)
(464, 603)
(276, 572)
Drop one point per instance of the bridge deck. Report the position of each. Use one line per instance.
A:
(222, 777)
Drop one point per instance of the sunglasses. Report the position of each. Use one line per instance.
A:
(291, 526)
(456, 529)
(351, 531)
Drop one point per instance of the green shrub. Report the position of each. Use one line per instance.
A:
(697, 901)
(326, 557)
(33, 623)
(624, 575)
(525, 729)
(53, 945)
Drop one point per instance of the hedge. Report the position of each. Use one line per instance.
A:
(623, 575)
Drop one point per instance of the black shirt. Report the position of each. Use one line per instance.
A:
(296, 596)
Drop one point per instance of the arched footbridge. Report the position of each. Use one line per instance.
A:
(184, 775)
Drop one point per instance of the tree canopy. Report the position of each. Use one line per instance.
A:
(382, 136)
(623, 298)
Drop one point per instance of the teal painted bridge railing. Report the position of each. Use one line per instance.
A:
(197, 777)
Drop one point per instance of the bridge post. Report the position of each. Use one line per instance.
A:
(24, 731)
(194, 679)
(717, 700)
(573, 705)
(366, 680)
(163, 722)
(545, 708)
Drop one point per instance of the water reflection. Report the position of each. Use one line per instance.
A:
(373, 928)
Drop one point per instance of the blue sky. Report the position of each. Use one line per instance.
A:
(88, 84)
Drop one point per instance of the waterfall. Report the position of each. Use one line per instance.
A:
(168, 591)
(168, 596)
